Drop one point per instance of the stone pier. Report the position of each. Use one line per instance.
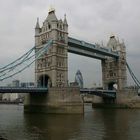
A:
(126, 98)
(114, 77)
(57, 100)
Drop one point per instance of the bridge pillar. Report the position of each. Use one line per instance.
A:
(114, 74)
(65, 100)
(51, 70)
(114, 70)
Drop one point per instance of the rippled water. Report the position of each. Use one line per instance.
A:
(95, 124)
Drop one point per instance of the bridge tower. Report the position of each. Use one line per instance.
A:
(51, 69)
(114, 70)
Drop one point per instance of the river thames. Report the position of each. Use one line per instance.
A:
(95, 124)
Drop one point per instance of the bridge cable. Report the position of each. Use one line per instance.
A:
(26, 65)
(25, 59)
(132, 74)
(137, 82)
(14, 66)
(134, 79)
(18, 58)
(37, 56)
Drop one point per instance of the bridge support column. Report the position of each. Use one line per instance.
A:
(57, 100)
(100, 102)
(114, 71)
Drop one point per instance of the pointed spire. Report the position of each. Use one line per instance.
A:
(65, 20)
(112, 35)
(51, 9)
(51, 15)
(37, 24)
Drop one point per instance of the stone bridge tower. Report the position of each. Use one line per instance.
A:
(114, 70)
(51, 69)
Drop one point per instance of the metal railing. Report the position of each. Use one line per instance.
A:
(72, 42)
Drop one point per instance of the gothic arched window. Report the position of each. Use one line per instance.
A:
(49, 26)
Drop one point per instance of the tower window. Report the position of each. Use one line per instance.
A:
(61, 27)
(107, 75)
(111, 74)
(49, 26)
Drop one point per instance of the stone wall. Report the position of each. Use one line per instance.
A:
(114, 70)
(128, 98)
(57, 100)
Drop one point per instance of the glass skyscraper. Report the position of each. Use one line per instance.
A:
(79, 79)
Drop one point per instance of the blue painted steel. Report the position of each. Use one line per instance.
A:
(137, 82)
(5, 73)
(101, 93)
(23, 90)
(37, 90)
(20, 58)
(81, 45)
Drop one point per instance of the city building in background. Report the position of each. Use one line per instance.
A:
(79, 79)
(11, 97)
(15, 83)
(27, 84)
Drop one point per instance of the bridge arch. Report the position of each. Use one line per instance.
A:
(44, 81)
(112, 85)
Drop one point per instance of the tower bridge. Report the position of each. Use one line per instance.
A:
(52, 45)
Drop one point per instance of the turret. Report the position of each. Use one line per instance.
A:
(54, 62)
(37, 32)
(65, 24)
(115, 44)
(37, 27)
(51, 15)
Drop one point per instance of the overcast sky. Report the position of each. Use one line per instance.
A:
(89, 20)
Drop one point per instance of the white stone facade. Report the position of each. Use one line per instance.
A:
(114, 70)
(52, 69)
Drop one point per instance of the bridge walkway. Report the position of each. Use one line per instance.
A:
(37, 90)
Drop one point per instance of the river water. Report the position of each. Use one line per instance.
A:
(95, 124)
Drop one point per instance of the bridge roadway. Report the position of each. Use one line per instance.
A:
(97, 92)
(90, 50)
(23, 90)
(37, 90)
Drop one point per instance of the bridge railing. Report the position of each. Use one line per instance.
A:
(23, 89)
(92, 46)
(3, 87)
(102, 93)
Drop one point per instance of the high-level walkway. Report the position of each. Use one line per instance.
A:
(90, 50)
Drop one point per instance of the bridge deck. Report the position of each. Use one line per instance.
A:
(101, 93)
(87, 49)
(23, 90)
